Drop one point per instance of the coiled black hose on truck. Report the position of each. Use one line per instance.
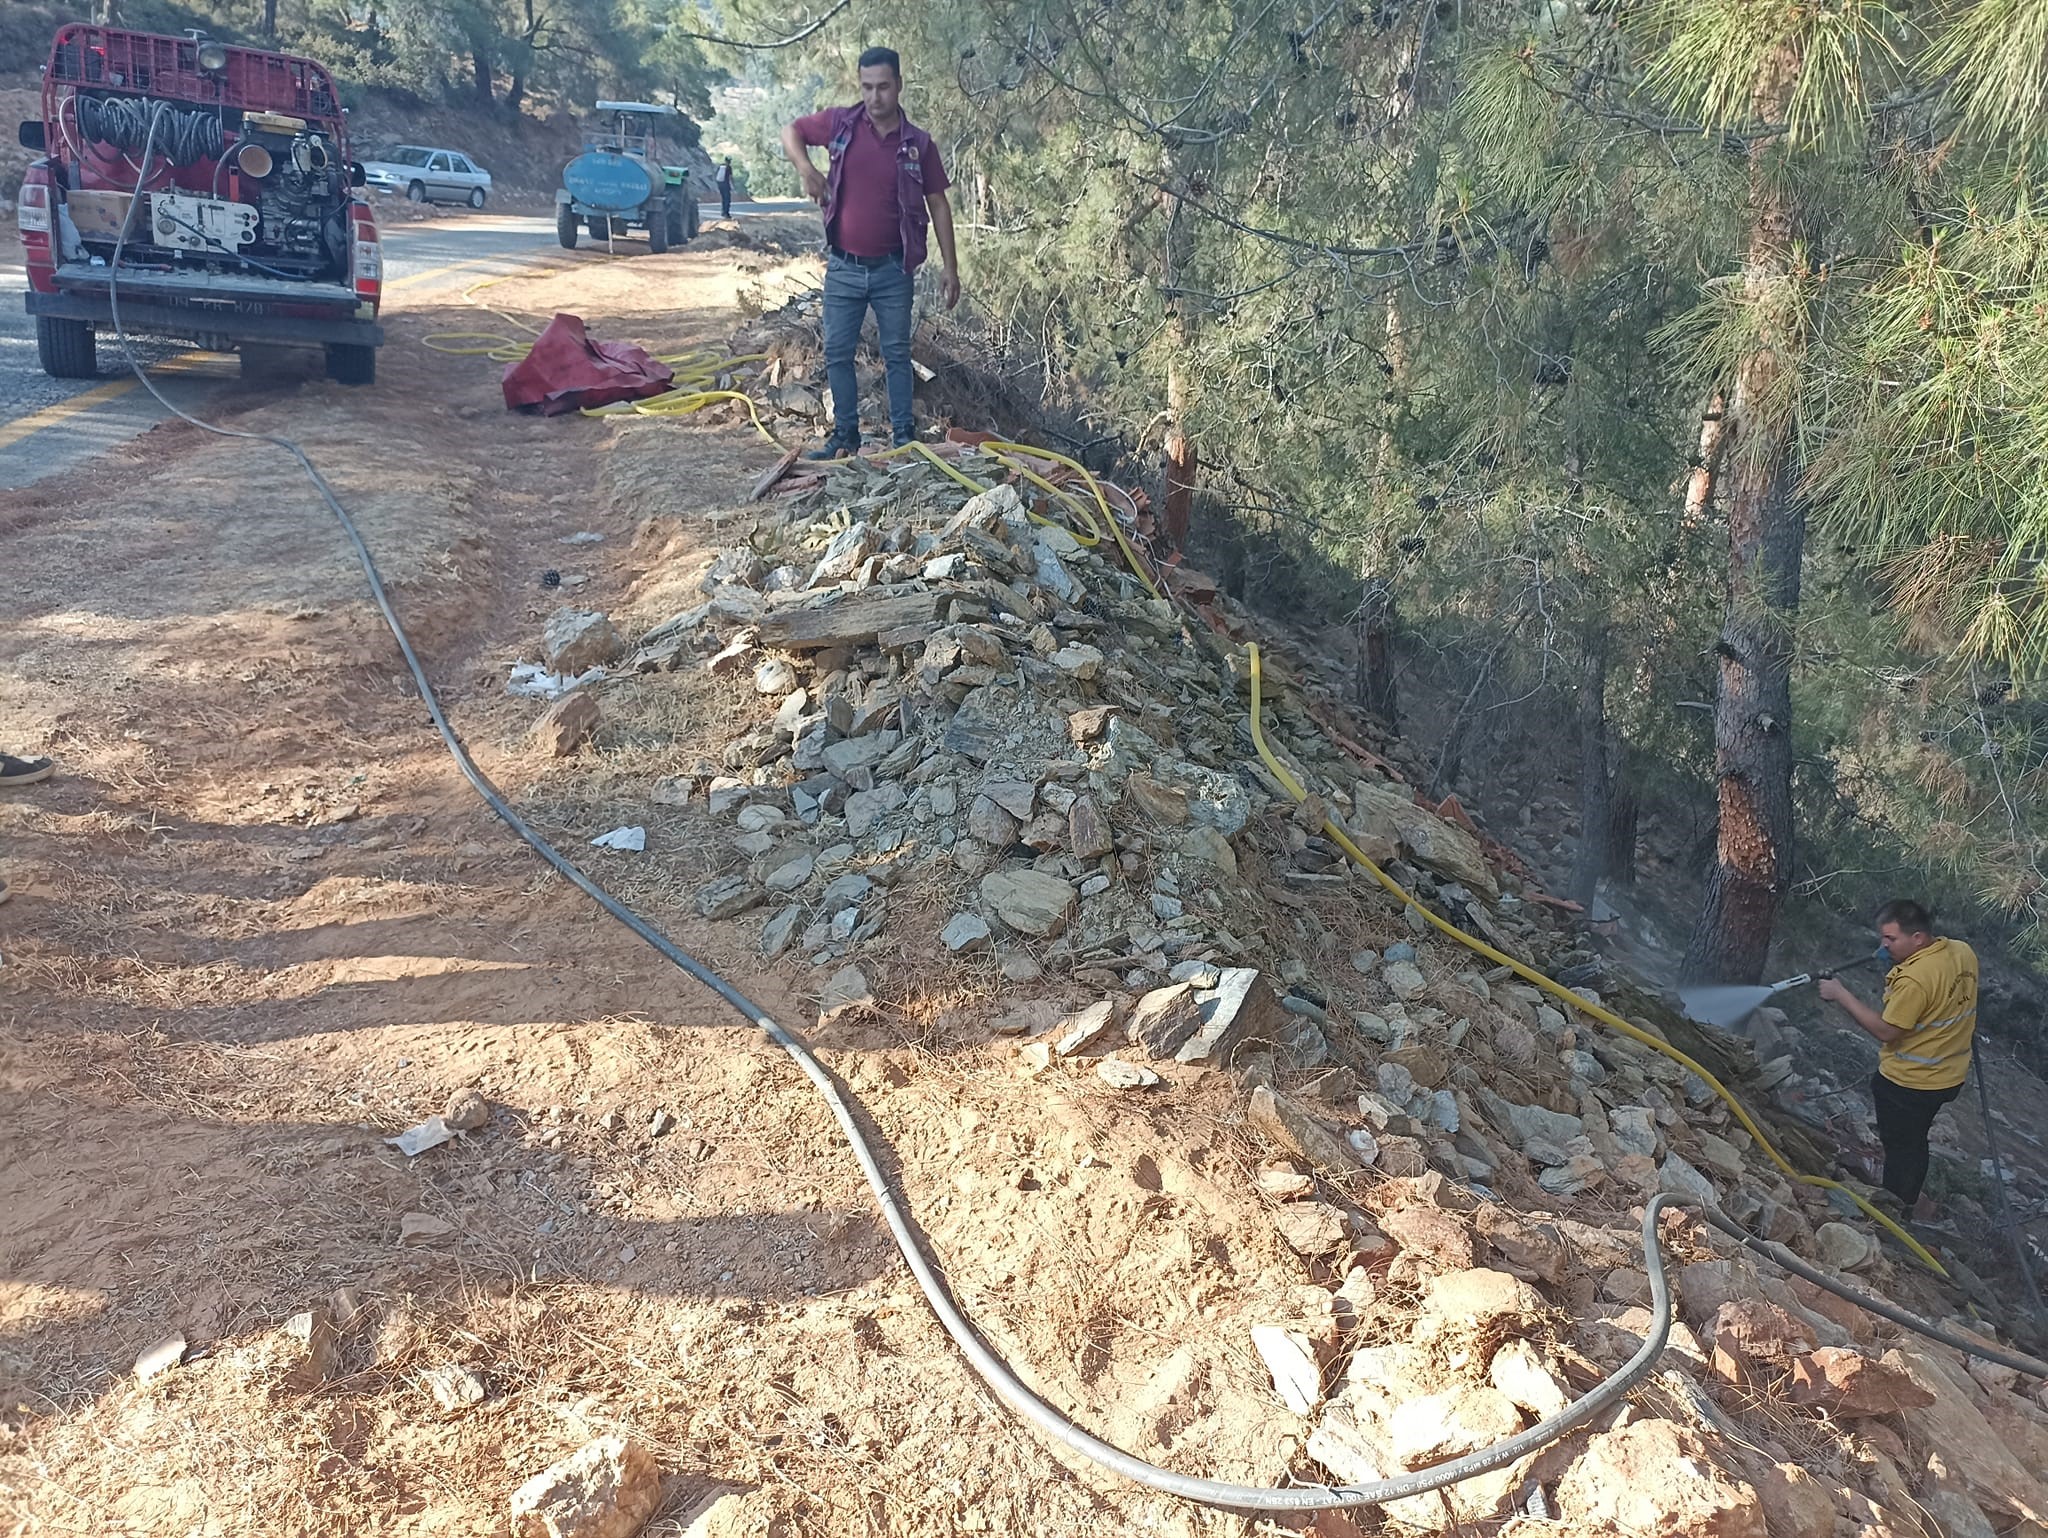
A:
(1001, 1379)
(186, 136)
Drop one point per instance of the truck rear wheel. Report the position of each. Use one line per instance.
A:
(692, 221)
(66, 348)
(658, 221)
(565, 226)
(600, 227)
(678, 228)
(350, 363)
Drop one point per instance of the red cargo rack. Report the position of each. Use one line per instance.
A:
(90, 58)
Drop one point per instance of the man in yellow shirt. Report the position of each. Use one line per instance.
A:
(1924, 1037)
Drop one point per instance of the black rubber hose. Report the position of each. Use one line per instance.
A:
(1778, 1255)
(186, 135)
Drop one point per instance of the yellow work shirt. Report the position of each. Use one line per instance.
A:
(1932, 997)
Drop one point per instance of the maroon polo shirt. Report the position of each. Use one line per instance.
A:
(869, 221)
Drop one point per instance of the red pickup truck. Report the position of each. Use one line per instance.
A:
(246, 226)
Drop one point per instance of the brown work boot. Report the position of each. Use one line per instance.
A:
(15, 772)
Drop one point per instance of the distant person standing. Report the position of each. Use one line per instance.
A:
(885, 184)
(724, 179)
(1924, 1035)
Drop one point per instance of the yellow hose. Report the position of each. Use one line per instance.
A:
(1092, 537)
(1585, 1006)
(1000, 450)
(496, 347)
(1137, 565)
(677, 403)
(946, 467)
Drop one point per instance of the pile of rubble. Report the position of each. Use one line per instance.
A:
(965, 701)
(940, 700)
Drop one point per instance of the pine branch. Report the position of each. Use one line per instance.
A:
(795, 37)
(1321, 248)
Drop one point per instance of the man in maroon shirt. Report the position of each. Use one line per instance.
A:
(886, 183)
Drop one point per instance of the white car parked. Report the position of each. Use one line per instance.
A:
(430, 175)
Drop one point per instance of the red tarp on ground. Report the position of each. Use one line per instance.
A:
(567, 371)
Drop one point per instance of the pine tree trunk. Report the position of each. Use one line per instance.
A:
(1621, 829)
(1766, 540)
(1181, 462)
(1699, 485)
(1375, 685)
(270, 18)
(1181, 458)
(1595, 786)
(1397, 370)
(1753, 733)
(523, 56)
(480, 64)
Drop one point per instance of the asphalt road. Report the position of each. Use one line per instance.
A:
(47, 425)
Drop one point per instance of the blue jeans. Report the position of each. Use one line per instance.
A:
(850, 290)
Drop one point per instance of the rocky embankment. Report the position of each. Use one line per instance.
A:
(983, 742)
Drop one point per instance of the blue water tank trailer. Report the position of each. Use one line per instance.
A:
(618, 184)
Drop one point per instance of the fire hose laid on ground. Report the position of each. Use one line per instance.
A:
(1001, 1379)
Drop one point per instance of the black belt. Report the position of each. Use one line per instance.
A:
(867, 261)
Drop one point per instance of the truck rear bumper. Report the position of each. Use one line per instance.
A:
(155, 313)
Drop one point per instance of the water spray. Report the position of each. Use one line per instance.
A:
(1724, 1006)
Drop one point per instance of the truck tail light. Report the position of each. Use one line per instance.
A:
(33, 212)
(36, 212)
(368, 268)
